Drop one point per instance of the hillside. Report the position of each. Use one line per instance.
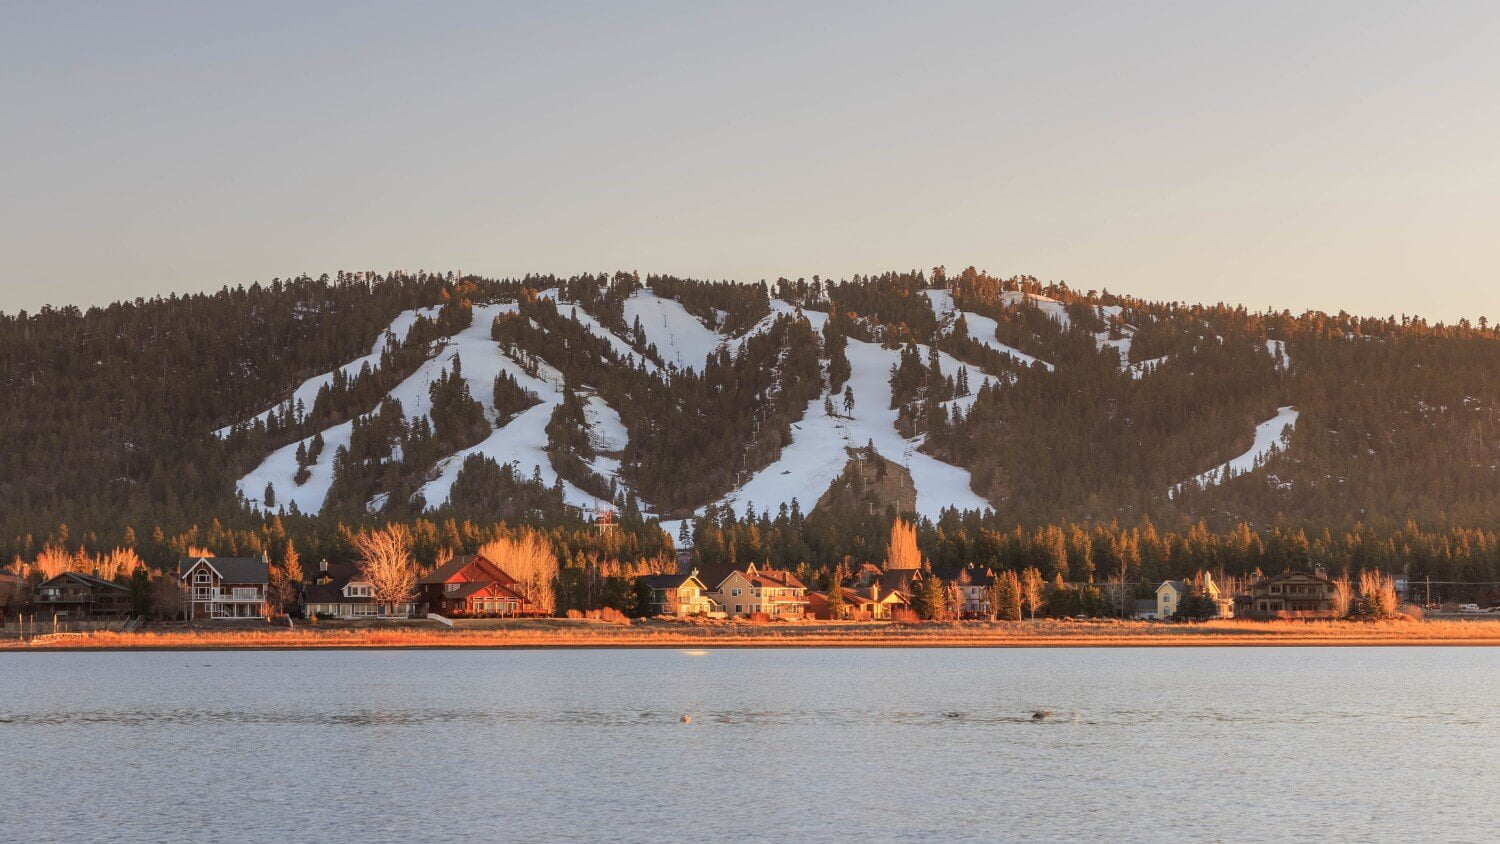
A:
(543, 400)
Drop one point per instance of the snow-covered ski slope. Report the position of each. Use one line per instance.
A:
(679, 337)
(523, 440)
(575, 312)
(1267, 438)
(307, 392)
(982, 329)
(816, 455)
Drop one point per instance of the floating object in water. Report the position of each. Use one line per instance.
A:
(687, 719)
(1041, 715)
(953, 715)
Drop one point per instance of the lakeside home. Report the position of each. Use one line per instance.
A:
(471, 586)
(1170, 593)
(215, 588)
(771, 592)
(677, 595)
(1293, 594)
(77, 595)
(860, 604)
(342, 592)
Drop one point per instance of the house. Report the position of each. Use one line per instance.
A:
(1170, 593)
(1293, 594)
(76, 595)
(676, 595)
(975, 583)
(860, 604)
(774, 593)
(224, 587)
(472, 586)
(340, 591)
(905, 581)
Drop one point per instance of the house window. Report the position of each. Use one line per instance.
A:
(734, 593)
(739, 608)
(201, 577)
(451, 587)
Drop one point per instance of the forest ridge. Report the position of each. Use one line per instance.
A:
(367, 397)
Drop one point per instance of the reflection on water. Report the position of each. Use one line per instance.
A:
(824, 745)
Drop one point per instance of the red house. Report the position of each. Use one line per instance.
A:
(470, 586)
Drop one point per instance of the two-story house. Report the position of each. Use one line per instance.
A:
(1170, 593)
(340, 591)
(1293, 594)
(751, 590)
(76, 595)
(472, 586)
(676, 595)
(216, 588)
(974, 582)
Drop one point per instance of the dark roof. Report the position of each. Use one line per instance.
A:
(667, 581)
(231, 569)
(89, 580)
(901, 579)
(1289, 574)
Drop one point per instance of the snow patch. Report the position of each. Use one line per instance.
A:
(816, 456)
(982, 329)
(307, 391)
(679, 337)
(1267, 439)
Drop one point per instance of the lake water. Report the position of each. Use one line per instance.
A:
(1197, 744)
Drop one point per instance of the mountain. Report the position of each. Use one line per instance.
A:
(543, 400)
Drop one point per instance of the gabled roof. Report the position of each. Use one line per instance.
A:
(899, 578)
(87, 580)
(1288, 575)
(775, 578)
(229, 569)
(670, 581)
(446, 572)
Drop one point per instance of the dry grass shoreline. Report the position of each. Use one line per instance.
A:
(560, 633)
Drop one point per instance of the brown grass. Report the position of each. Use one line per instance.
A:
(542, 633)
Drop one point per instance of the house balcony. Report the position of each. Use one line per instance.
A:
(225, 596)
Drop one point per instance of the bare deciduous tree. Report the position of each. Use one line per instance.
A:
(529, 558)
(1342, 595)
(902, 552)
(385, 561)
(1031, 590)
(52, 561)
(1377, 595)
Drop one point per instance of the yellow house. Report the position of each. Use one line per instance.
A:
(774, 593)
(1170, 593)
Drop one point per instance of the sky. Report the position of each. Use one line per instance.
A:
(1325, 155)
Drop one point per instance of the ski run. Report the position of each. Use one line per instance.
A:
(814, 458)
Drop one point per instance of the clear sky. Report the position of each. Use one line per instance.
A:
(1303, 155)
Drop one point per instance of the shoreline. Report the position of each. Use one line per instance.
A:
(560, 634)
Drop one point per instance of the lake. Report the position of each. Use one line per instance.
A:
(1234, 744)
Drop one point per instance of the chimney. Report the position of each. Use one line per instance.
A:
(875, 591)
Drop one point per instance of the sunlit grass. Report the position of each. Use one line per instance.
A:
(564, 633)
